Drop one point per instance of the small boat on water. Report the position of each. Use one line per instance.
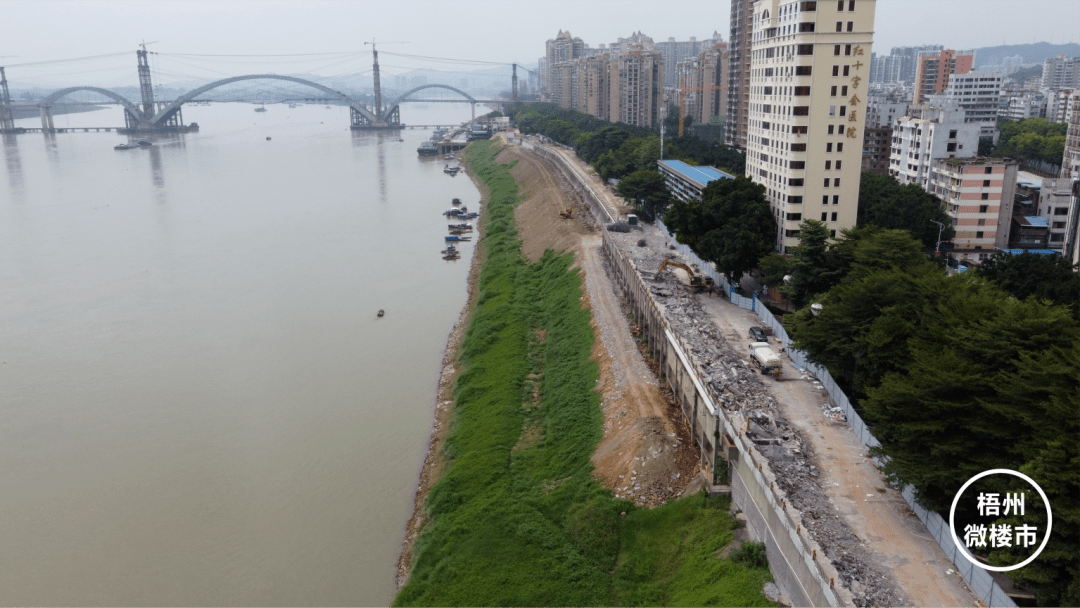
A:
(380, 313)
(124, 146)
(455, 202)
(457, 238)
(144, 142)
(260, 109)
(451, 170)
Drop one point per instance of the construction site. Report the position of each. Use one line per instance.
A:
(691, 400)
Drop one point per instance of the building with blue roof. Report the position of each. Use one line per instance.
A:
(687, 182)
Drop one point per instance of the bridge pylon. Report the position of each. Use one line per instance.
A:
(7, 120)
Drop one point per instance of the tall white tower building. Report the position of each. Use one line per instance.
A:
(809, 71)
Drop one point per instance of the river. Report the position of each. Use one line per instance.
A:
(198, 404)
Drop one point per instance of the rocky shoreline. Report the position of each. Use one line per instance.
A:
(444, 401)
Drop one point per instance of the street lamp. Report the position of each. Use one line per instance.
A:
(937, 250)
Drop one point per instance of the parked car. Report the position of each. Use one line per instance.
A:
(757, 334)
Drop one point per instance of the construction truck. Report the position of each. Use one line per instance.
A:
(568, 214)
(699, 283)
(769, 362)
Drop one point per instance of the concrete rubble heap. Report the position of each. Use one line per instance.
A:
(737, 388)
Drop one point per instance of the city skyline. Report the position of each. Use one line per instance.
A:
(476, 30)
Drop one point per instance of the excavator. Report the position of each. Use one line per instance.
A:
(569, 213)
(697, 282)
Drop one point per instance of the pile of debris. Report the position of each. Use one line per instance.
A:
(736, 386)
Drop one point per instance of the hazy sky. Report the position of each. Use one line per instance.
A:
(491, 30)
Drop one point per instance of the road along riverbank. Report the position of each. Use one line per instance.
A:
(517, 515)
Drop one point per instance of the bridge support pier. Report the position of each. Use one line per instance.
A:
(473, 104)
(47, 119)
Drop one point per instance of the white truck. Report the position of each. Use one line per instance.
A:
(764, 356)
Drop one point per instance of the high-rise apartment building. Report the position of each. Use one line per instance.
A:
(704, 80)
(809, 68)
(636, 87)
(562, 49)
(934, 68)
(675, 52)
(593, 85)
(1061, 73)
(738, 93)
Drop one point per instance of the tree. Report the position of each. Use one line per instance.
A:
(1049, 277)
(647, 190)
(884, 202)
(731, 225)
(813, 270)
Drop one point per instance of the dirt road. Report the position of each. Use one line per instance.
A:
(646, 454)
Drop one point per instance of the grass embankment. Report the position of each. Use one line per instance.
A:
(517, 518)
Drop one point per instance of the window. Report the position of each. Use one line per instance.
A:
(985, 196)
(986, 183)
(836, 70)
(805, 49)
(836, 50)
(988, 170)
(836, 199)
(806, 26)
(826, 182)
(832, 234)
(839, 26)
(838, 164)
(1057, 238)
(836, 182)
(840, 5)
(801, 111)
(843, 90)
(798, 147)
(766, 108)
(1061, 211)
(804, 70)
(979, 234)
(799, 129)
(843, 110)
(982, 222)
(1059, 224)
(847, 70)
(847, 49)
(850, 26)
(952, 134)
(767, 91)
(832, 90)
(828, 147)
(834, 216)
(825, 200)
(798, 164)
(828, 166)
(825, 216)
(802, 90)
(808, 6)
(851, 5)
(795, 181)
(840, 147)
(830, 129)
(951, 147)
(832, 110)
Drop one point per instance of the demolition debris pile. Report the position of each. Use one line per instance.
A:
(738, 389)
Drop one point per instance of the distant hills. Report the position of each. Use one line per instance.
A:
(1037, 52)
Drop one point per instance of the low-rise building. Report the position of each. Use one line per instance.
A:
(687, 182)
(978, 194)
(1029, 232)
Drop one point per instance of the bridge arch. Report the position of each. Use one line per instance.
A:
(394, 104)
(56, 95)
(165, 113)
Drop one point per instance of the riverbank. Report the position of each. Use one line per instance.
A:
(444, 399)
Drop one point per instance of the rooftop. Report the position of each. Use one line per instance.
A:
(698, 175)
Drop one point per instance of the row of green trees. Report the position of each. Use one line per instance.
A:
(957, 374)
